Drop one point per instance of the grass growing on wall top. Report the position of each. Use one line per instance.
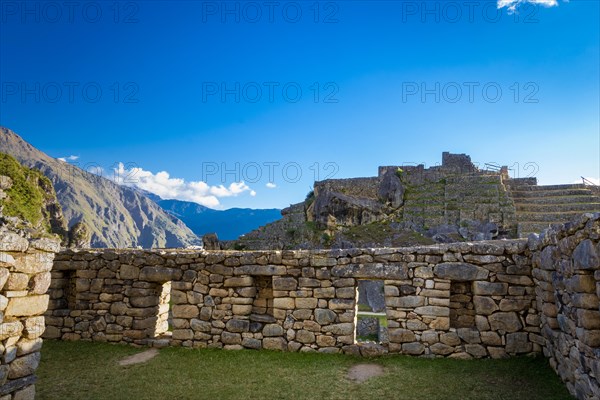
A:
(26, 196)
(84, 370)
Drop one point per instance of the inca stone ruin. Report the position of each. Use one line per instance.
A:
(471, 299)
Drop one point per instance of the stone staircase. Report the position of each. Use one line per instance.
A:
(540, 206)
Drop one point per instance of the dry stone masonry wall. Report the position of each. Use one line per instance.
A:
(461, 300)
(566, 270)
(24, 280)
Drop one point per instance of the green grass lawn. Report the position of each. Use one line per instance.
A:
(84, 370)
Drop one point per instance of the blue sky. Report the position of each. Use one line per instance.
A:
(245, 104)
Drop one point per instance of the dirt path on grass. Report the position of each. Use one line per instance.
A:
(139, 358)
(361, 372)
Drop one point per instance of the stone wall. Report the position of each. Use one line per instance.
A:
(24, 280)
(566, 270)
(460, 300)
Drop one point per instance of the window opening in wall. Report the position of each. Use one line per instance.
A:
(164, 322)
(263, 301)
(462, 309)
(70, 290)
(371, 318)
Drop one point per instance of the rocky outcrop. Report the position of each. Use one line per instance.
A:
(391, 190)
(403, 205)
(28, 197)
(79, 236)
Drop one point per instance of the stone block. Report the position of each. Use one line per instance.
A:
(231, 338)
(251, 343)
(24, 366)
(458, 271)
(129, 272)
(339, 329)
(514, 304)
(581, 284)
(405, 301)
(484, 305)
(274, 343)
(341, 304)
(183, 334)
(371, 271)
(286, 303)
(160, 274)
(27, 346)
(324, 316)
(476, 350)
(238, 325)
(433, 311)
(10, 241)
(143, 302)
(200, 326)
(588, 319)
(17, 281)
(585, 256)
(490, 288)
(272, 330)
(287, 283)
(3, 277)
(34, 327)
(491, 339)
(304, 336)
(585, 300)
(306, 302)
(241, 309)
(239, 281)
(518, 343)
(324, 293)
(345, 293)
(414, 348)
(27, 306)
(185, 311)
(505, 321)
(9, 329)
(401, 335)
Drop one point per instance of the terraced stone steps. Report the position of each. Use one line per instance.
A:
(558, 207)
(538, 207)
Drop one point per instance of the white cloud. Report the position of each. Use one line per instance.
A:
(271, 185)
(511, 5)
(96, 170)
(163, 185)
(70, 158)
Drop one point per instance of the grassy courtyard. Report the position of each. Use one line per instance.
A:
(84, 370)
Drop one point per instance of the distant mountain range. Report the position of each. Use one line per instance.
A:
(115, 215)
(227, 224)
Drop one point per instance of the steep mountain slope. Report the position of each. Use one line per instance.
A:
(228, 224)
(117, 216)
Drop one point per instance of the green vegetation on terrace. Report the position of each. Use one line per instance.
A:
(86, 370)
(28, 194)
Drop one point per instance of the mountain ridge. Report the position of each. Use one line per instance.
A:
(117, 216)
